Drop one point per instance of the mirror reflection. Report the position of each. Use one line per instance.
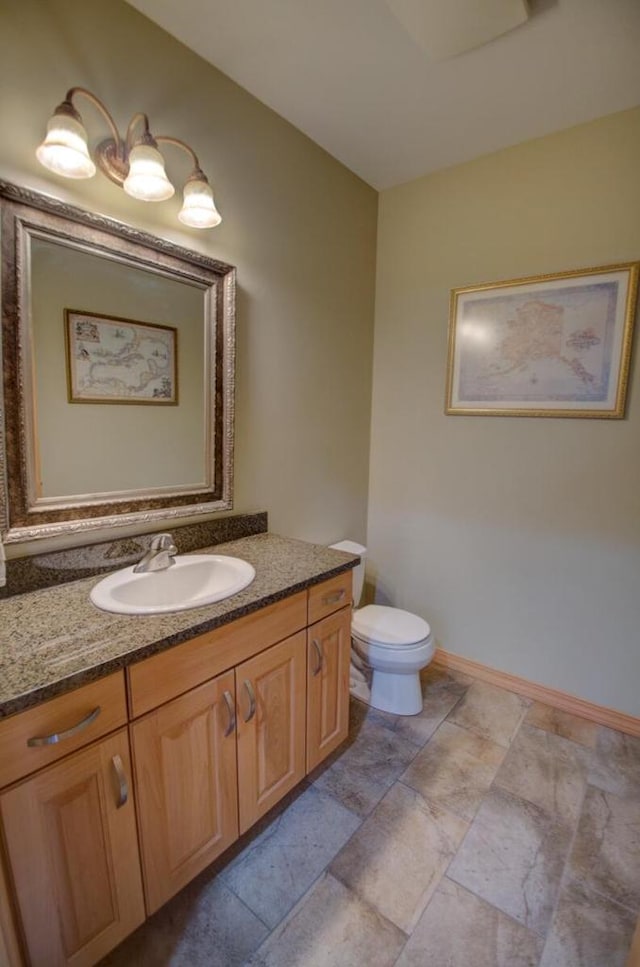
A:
(90, 447)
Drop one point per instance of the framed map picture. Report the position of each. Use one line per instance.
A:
(556, 345)
(114, 360)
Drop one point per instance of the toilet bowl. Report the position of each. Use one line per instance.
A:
(391, 644)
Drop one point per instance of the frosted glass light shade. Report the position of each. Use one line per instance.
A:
(198, 209)
(64, 149)
(147, 179)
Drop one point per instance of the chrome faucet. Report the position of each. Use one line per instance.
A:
(160, 555)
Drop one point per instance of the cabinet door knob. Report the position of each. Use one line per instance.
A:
(320, 656)
(56, 737)
(252, 700)
(121, 779)
(231, 708)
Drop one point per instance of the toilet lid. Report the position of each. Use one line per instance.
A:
(388, 626)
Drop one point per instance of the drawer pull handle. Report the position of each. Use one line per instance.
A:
(334, 597)
(228, 698)
(252, 700)
(320, 662)
(123, 789)
(56, 737)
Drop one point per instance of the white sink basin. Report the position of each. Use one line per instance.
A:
(191, 582)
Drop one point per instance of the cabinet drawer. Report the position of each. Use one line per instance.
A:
(158, 679)
(71, 717)
(329, 596)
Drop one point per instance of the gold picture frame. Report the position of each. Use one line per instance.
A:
(550, 345)
(111, 359)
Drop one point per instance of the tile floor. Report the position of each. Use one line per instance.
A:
(489, 831)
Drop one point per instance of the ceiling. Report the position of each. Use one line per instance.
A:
(357, 80)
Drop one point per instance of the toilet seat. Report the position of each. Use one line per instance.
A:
(388, 627)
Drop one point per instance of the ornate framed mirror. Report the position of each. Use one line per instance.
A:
(118, 354)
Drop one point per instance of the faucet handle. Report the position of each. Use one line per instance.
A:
(164, 542)
(160, 555)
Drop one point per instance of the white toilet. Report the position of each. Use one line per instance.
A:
(394, 644)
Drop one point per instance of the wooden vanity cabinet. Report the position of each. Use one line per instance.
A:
(186, 786)
(71, 840)
(69, 827)
(328, 663)
(209, 763)
(214, 759)
(271, 691)
(220, 729)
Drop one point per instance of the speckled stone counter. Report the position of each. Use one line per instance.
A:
(55, 639)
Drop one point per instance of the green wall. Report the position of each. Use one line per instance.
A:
(518, 539)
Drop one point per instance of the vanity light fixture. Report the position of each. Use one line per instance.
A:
(133, 162)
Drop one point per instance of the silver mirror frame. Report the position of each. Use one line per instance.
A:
(25, 212)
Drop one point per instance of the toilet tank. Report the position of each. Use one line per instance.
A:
(358, 572)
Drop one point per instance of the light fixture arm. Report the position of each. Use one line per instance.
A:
(145, 138)
(197, 170)
(73, 91)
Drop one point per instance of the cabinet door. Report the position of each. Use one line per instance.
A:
(186, 786)
(72, 845)
(328, 661)
(10, 953)
(271, 726)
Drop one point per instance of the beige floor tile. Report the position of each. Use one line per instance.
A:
(616, 763)
(205, 925)
(360, 775)
(562, 723)
(606, 849)
(547, 770)
(280, 866)
(379, 752)
(459, 930)
(357, 790)
(455, 769)
(360, 712)
(441, 693)
(396, 858)
(458, 676)
(331, 927)
(513, 857)
(491, 712)
(588, 930)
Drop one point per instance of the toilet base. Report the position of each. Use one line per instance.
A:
(397, 693)
(391, 673)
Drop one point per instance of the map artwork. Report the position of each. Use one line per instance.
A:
(531, 348)
(120, 361)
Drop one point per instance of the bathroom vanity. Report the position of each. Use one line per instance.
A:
(128, 774)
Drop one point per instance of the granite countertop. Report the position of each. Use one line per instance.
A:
(55, 639)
